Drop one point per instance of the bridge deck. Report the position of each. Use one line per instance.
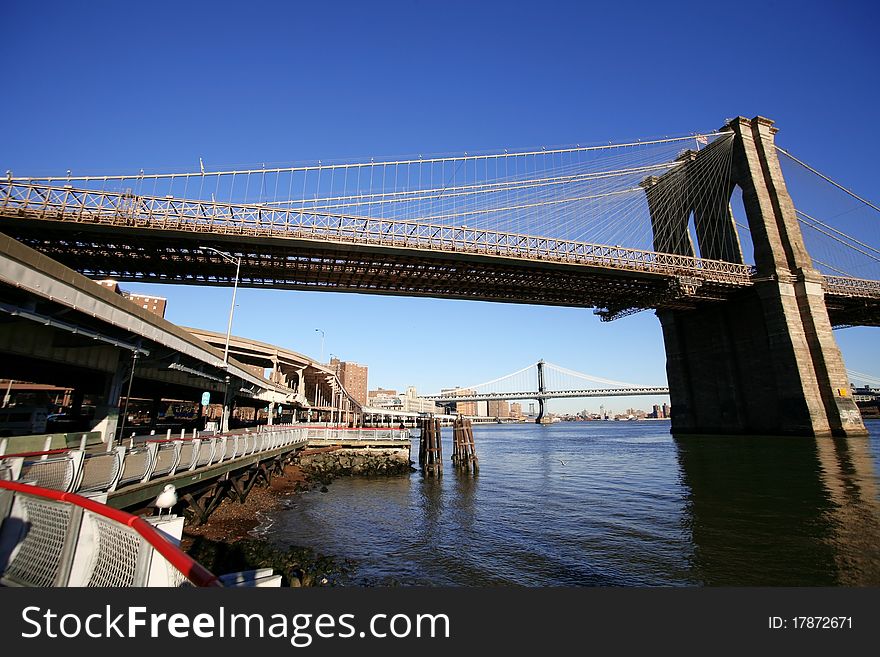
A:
(142, 238)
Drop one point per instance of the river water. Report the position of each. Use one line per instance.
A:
(608, 504)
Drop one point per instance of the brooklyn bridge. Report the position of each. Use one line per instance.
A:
(747, 280)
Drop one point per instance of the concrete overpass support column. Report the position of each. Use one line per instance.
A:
(106, 417)
(76, 402)
(154, 411)
(764, 362)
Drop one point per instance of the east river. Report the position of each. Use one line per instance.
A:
(608, 504)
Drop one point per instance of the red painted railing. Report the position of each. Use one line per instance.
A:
(186, 565)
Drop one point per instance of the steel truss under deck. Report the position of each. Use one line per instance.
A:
(149, 239)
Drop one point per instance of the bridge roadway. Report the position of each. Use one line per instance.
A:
(58, 326)
(315, 383)
(142, 238)
(550, 394)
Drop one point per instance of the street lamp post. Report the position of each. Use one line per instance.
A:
(237, 261)
(224, 419)
(317, 330)
(224, 422)
(334, 405)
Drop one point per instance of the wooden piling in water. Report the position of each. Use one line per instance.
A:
(430, 449)
(464, 454)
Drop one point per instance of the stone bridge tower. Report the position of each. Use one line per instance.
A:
(766, 361)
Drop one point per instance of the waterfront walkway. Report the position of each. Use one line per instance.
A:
(60, 517)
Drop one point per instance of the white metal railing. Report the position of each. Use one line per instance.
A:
(50, 536)
(362, 434)
(78, 470)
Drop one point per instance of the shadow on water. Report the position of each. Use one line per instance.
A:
(781, 511)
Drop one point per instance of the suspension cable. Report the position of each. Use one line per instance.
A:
(827, 179)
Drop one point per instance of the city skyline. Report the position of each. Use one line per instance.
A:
(483, 94)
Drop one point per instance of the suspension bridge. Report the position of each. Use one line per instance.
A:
(701, 227)
(542, 381)
(562, 226)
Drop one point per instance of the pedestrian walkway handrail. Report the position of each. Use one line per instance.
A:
(356, 434)
(91, 472)
(55, 538)
(84, 471)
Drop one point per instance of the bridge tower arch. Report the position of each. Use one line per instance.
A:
(541, 389)
(765, 361)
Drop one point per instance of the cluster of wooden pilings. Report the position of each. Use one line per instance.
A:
(430, 449)
(464, 455)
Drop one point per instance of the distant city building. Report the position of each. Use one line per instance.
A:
(379, 393)
(384, 398)
(409, 401)
(388, 403)
(667, 410)
(255, 369)
(465, 407)
(155, 305)
(353, 377)
(515, 410)
(499, 408)
(412, 403)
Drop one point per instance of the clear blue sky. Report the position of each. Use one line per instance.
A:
(114, 87)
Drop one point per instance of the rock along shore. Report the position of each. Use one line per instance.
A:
(359, 461)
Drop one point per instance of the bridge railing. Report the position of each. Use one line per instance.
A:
(42, 201)
(591, 392)
(82, 471)
(53, 538)
(851, 287)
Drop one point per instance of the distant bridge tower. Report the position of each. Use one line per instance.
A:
(541, 388)
(764, 362)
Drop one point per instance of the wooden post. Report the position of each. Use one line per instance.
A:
(464, 454)
(430, 449)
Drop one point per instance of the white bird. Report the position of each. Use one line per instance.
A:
(167, 498)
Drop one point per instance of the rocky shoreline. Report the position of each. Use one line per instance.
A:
(340, 461)
(226, 542)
